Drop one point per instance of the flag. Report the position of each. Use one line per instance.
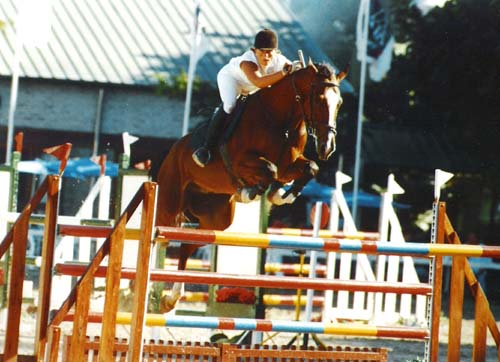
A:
(19, 137)
(377, 49)
(427, 5)
(127, 141)
(60, 152)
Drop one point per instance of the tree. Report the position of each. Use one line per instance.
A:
(448, 80)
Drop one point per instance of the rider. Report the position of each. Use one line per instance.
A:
(259, 67)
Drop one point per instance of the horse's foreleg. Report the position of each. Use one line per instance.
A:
(301, 171)
(258, 175)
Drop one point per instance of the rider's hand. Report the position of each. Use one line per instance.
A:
(296, 65)
(287, 69)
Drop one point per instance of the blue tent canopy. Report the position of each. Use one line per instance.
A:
(315, 191)
(75, 168)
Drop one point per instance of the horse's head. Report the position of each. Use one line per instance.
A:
(318, 88)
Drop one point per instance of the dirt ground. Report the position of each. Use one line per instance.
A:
(399, 350)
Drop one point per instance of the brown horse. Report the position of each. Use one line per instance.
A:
(264, 152)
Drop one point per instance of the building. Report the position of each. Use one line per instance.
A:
(105, 64)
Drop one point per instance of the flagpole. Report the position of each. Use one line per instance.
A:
(13, 96)
(192, 67)
(357, 162)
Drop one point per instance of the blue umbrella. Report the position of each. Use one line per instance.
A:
(75, 168)
(315, 191)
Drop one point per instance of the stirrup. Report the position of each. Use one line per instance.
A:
(201, 156)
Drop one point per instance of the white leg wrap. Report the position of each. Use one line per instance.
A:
(244, 196)
(277, 198)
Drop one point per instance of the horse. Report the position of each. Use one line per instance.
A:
(264, 153)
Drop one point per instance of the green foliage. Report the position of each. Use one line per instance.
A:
(204, 96)
(155, 296)
(449, 73)
(447, 81)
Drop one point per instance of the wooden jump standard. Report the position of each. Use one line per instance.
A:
(113, 247)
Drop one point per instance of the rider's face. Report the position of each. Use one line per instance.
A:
(264, 56)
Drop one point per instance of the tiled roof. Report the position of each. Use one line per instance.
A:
(133, 41)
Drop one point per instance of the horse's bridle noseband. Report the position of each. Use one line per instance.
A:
(311, 123)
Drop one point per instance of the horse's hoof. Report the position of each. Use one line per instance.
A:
(167, 303)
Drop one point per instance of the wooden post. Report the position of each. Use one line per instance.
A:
(93, 266)
(113, 276)
(143, 267)
(82, 305)
(481, 312)
(20, 236)
(48, 246)
(481, 309)
(456, 308)
(53, 338)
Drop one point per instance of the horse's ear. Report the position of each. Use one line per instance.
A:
(311, 64)
(342, 74)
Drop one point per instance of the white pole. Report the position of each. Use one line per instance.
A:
(32, 26)
(13, 96)
(193, 59)
(313, 259)
(357, 162)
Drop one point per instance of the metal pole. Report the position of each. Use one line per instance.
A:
(357, 162)
(97, 122)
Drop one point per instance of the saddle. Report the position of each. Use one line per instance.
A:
(231, 123)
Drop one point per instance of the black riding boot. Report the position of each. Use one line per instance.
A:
(202, 156)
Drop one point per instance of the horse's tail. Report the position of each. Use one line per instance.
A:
(169, 204)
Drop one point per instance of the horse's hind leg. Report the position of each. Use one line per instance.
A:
(214, 211)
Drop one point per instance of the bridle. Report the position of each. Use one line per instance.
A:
(311, 123)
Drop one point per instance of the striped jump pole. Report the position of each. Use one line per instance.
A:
(290, 300)
(359, 235)
(270, 268)
(265, 281)
(267, 299)
(269, 325)
(323, 244)
(293, 269)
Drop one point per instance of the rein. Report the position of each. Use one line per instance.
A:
(311, 124)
